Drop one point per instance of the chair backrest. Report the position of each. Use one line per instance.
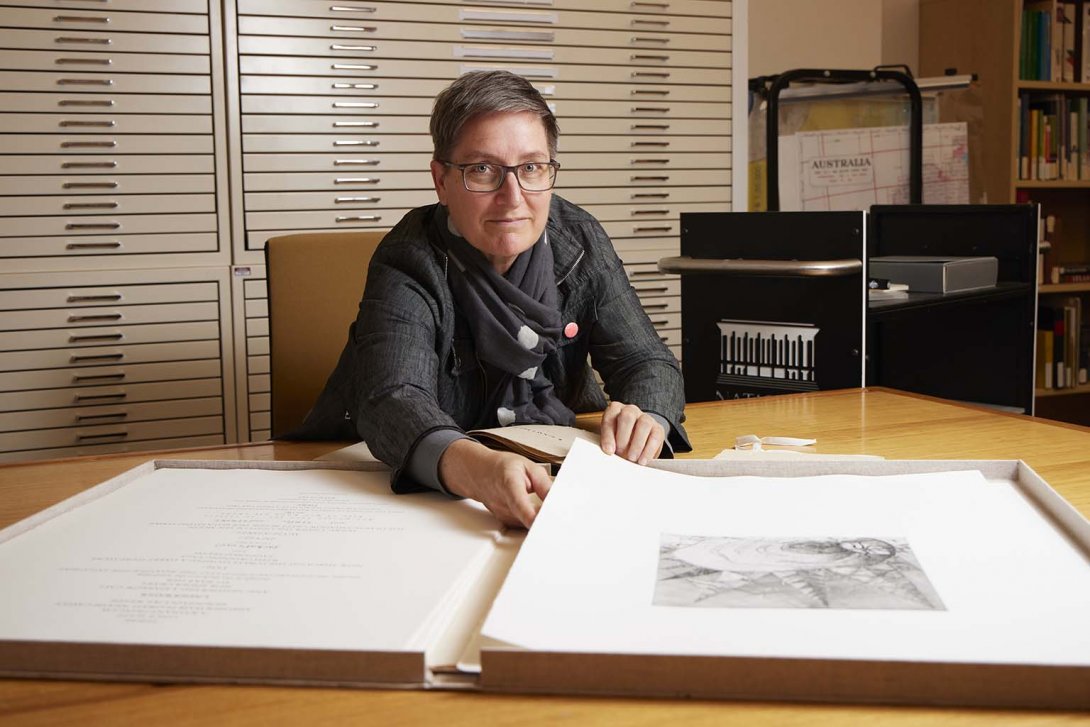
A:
(315, 283)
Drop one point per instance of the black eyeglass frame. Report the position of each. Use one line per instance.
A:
(506, 170)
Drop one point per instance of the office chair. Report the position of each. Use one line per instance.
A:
(315, 283)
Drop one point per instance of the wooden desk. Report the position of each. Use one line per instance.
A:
(873, 421)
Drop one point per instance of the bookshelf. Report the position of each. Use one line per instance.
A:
(987, 37)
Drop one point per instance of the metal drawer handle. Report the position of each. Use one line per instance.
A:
(355, 105)
(650, 143)
(90, 205)
(650, 161)
(110, 245)
(103, 298)
(791, 268)
(641, 21)
(663, 6)
(83, 61)
(650, 127)
(649, 178)
(99, 417)
(660, 289)
(353, 67)
(650, 212)
(85, 82)
(650, 92)
(89, 185)
(94, 41)
(353, 28)
(341, 46)
(97, 377)
(99, 397)
(649, 74)
(356, 180)
(359, 218)
(92, 226)
(68, 123)
(355, 124)
(352, 142)
(95, 317)
(356, 162)
(538, 36)
(654, 195)
(655, 306)
(82, 102)
(647, 109)
(350, 9)
(646, 57)
(104, 435)
(360, 86)
(340, 200)
(88, 165)
(660, 228)
(97, 357)
(644, 273)
(88, 144)
(660, 322)
(96, 337)
(638, 39)
(81, 19)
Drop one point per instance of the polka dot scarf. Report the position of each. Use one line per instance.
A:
(515, 323)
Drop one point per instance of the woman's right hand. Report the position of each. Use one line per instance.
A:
(504, 482)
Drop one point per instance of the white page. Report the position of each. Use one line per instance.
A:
(323, 559)
(1011, 588)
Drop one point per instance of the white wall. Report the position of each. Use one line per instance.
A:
(843, 34)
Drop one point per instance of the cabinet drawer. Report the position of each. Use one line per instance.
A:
(109, 414)
(108, 123)
(347, 144)
(656, 306)
(207, 440)
(303, 181)
(76, 102)
(129, 164)
(468, 30)
(664, 321)
(346, 161)
(112, 316)
(102, 395)
(113, 184)
(122, 334)
(656, 288)
(543, 17)
(470, 52)
(644, 161)
(198, 7)
(347, 200)
(55, 292)
(380, 106)
(615, 143)
(12, 442)
(644, 177)
(105, 41)
(175, 372)
(90, 144)
(71, 60)
(120, 225)
(113, 356)
(115, 21)
(93, 205)
(40, 247)
(535, 70)
(384, 217)
(642, 214)
(112, 83)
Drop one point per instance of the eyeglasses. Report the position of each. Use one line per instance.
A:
(488, 177)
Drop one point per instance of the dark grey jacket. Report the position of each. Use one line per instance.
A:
(410, 367)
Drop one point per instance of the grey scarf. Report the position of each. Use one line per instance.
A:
(515, 323)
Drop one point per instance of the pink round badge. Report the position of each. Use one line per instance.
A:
(571, 330)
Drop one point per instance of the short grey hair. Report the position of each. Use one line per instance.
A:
(485, 92)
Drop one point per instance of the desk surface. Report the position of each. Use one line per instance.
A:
(873, 421)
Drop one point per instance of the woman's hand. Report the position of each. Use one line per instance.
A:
(503, 481)
(631, 433)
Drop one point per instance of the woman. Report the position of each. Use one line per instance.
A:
(480, 311)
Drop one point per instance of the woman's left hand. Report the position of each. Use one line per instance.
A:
(631, 433)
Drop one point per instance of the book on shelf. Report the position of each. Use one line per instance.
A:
(1052, 138)
(1062, 345)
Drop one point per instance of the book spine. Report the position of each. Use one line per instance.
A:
(1084, 50)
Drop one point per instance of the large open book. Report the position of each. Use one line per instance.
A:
(914, 581)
